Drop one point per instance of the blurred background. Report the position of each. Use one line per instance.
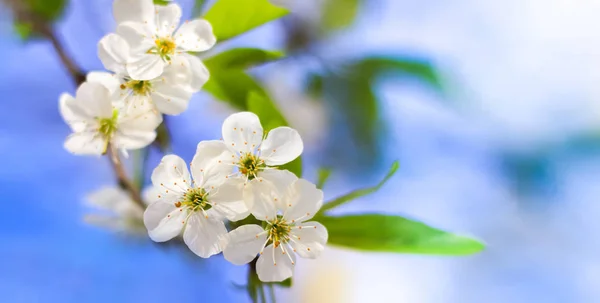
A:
(490, 106)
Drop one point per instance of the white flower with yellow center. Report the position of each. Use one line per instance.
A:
(284, 233)
(170, 92)
(196, 203)
(156, 39)
(95, 122)
(244, 154)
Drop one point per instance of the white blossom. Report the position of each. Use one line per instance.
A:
(244, 154)
(286, 232)
(95, 122)
(196, 203)
(170, 92)
(155, 39)
(117, 210)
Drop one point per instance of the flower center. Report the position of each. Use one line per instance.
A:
(108, 125)
(279, 231)
(250, 165)
(140, 88)
(195, 199)
(165, 47)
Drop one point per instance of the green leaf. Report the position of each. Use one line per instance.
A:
(360, 192)
(324, 174)
(294, 166)
(285, 283)
(395, 234)
(161, 2)
(228, 82)
(230, 18)
(48, 10)
(24, 30)
(242, 58)
(338, 14)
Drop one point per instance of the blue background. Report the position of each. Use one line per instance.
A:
(508, 154)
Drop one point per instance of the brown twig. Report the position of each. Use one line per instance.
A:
(76, 73)
(124, 181)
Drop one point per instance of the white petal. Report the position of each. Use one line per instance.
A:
(167, 19)
(244, 243)
(150, 194)
(171, 99)
(113, 51)
(139, 36)
(242, 131)
(261, 199)
(200, 73)
(275, 266)
(171, 176)
(110, 81)
(141, 115)
(164, 221)
(204, 235)
(133, 139)
(281, 181)
(116, 200)
(303, 200)
(195, 36)
(282, 145)
(228, 199)
(310, 240)
(75, 120)
(212, 163)
(85, 143)
(133, 10)
(92, 100)
(146, 67)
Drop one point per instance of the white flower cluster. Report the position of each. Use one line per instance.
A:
(229, 179)
(154, 72)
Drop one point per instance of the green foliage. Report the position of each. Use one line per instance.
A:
(230, 18)
(360, 192)
(324, 174)
(24, 30)
(395, 234)
(355, 107)
(242, 58)
(338, 14)
(229, 82)
(47, 10)
(161, 2)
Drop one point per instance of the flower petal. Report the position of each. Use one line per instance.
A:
(228, 199)
(195, 36)
(85, 143)
(204, 235)
(309, 241)
(93, 101)
(212, 163)
(113, 51)
(242, 131)
(244, 243)
(261, 199)
(303, 199)
(133, 10)
(139, 36)
(110, 81)
(76, 120)
(282, 145)
(274, 265)
(167, 19)
(200, 73)
(146, 67)
(164, 221)
(133, 139)
(116, 200)
(171, 176)
(281, 180)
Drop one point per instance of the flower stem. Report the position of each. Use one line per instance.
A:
(76, 73)
(124, 181)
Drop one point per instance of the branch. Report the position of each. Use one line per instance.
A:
(76, 73)
(124, 181)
